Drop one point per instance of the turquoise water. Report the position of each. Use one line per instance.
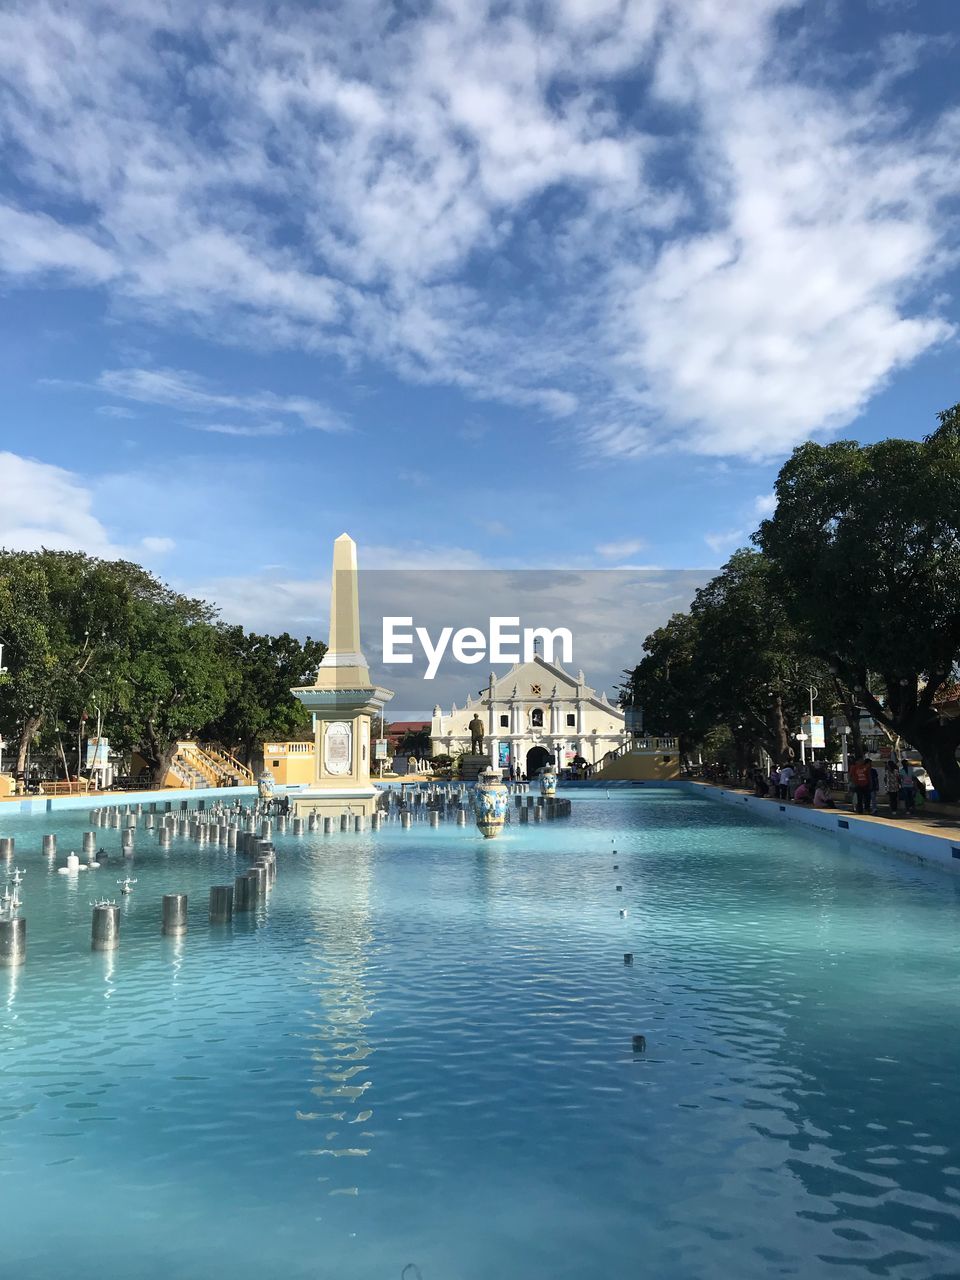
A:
(417, 1058)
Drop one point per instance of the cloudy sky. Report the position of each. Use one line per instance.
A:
(524, 285)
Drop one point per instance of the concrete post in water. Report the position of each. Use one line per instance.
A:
(265, 829)
(50, 844)
(311, 823)
(6, 846)
(257, 876)
(13, 942)
(148, 822)
(298, 826)
(164, 834)
(126, 843)
(344, 819)
(106, 926)
(375, 821)
(434, 818)
(201, 804)
(524, 815)
(232, 837)
(221, 903)
(406, 819)
(281, 823)
(115, 820)
(89, 841)
(358, 822)
(461, 817)
(241, 893)
(327, 826)
(174, 913)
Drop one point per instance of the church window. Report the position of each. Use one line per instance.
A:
(535, 690)
(571, 720)
(504, 722)
(536, 718)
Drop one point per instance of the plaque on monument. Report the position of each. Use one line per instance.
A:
(337, 745)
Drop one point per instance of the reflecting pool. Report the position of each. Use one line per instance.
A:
(415, 1060)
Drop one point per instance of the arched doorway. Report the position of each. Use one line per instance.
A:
(537, 757)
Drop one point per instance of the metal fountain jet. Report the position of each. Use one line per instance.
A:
(126, 884)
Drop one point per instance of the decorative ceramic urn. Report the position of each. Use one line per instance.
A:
(548, 780)
(266, 787)
(490, 802)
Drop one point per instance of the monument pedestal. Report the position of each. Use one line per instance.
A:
(343, 702)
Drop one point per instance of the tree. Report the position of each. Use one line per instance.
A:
(665, 686)
(416, 742)
(735, 661)
(178, 677)
(865, 541)
(260, 704)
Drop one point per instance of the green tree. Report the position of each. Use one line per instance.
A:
(865, 540)
(416, 742)
(260, 704)
(735, 662)
(177, 679)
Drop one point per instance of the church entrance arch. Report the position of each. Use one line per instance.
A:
(537, 757)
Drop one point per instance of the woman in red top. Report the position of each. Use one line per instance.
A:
(860, 777)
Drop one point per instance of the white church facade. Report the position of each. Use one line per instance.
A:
(536, 712)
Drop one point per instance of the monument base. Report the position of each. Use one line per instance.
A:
(330, 802)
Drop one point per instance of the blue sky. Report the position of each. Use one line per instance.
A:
(528, 285)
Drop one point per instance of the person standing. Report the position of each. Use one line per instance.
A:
(874, 790)
(908, 789)
(860, 777)
(891, 784)
(786, 777)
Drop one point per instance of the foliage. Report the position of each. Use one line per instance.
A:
(866, 542)
(93, 642)
(259, 704)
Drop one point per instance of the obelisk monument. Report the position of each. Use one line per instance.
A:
(343, 702)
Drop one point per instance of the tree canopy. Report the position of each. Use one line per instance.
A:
(88, 640)
(855, 588)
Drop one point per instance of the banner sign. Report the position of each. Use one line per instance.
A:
(813, 728)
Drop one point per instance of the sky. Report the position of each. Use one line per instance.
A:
(520, 285)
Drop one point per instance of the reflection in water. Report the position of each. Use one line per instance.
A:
(338, 965)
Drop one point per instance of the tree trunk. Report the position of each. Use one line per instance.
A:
(781, 736)
(30, 729)
(938, 751)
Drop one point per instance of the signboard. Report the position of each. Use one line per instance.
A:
(98, 753)
(380, 749)
(504, 754)
(813, 727)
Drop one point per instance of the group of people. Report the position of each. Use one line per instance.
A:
(811, 784)
(898, 781)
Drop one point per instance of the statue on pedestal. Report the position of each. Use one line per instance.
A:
(476, 736)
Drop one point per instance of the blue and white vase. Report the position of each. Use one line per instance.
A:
(490, 802)
(548, 781)
(266, 787)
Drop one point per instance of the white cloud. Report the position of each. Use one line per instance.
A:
(179, 389)
(45, 506)
(472, 200)
(620, 550)
(231, 429)
(159, 546)
(34, 244)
